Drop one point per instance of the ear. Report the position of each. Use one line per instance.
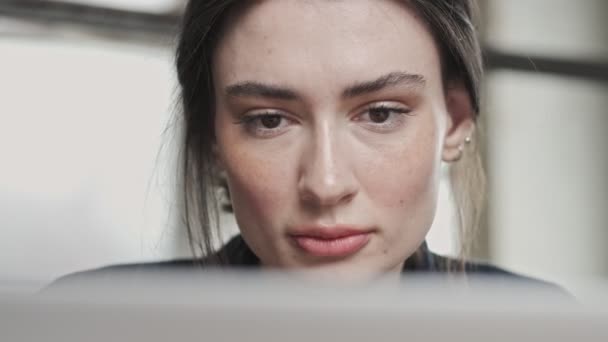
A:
(460, 121)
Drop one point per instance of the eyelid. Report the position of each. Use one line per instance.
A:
(250, 121)
(396, 120)
(390, 105)
(252, 114)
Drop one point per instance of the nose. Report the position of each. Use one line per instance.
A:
(326, 179)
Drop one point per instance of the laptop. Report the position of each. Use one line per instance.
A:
(272, 307)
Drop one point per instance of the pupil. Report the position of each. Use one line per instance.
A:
(271, 121)
(378, 115)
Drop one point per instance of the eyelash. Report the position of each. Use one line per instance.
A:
(252, 122)
(388, 125)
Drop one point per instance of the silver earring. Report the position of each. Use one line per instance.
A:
(467, 140)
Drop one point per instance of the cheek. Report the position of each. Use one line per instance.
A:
(259, 186)
(405, 177)
(254, 187)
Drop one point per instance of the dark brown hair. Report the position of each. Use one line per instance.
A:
(449, 21)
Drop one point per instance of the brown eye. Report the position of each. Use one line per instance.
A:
(266, 124)
(270, 121)
(383, 117)
(379, 115)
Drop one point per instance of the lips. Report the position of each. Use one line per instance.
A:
(336, 241)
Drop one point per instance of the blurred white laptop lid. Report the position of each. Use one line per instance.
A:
(233, 307)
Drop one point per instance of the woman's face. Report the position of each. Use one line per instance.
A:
(331, 122)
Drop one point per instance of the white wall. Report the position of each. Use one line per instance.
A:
(560, 28)
(548, 143)
(79, 181)
(549, 161)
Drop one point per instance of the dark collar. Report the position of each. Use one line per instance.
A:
(237, 253)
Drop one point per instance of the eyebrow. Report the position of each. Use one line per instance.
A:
(257, 89)
(389, 80)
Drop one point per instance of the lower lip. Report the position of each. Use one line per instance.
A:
(338, 247)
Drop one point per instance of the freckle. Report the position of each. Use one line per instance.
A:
(385, 251)
(400, 201)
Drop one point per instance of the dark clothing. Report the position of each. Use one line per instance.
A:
(237, 255)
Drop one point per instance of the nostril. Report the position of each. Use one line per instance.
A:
(324, 196)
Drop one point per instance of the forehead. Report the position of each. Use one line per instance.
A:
(298, 42)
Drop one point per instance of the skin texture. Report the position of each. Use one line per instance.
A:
(331, 160)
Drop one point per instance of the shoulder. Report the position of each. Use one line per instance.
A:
(233, 254)
(129, 273)
(482, 273)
